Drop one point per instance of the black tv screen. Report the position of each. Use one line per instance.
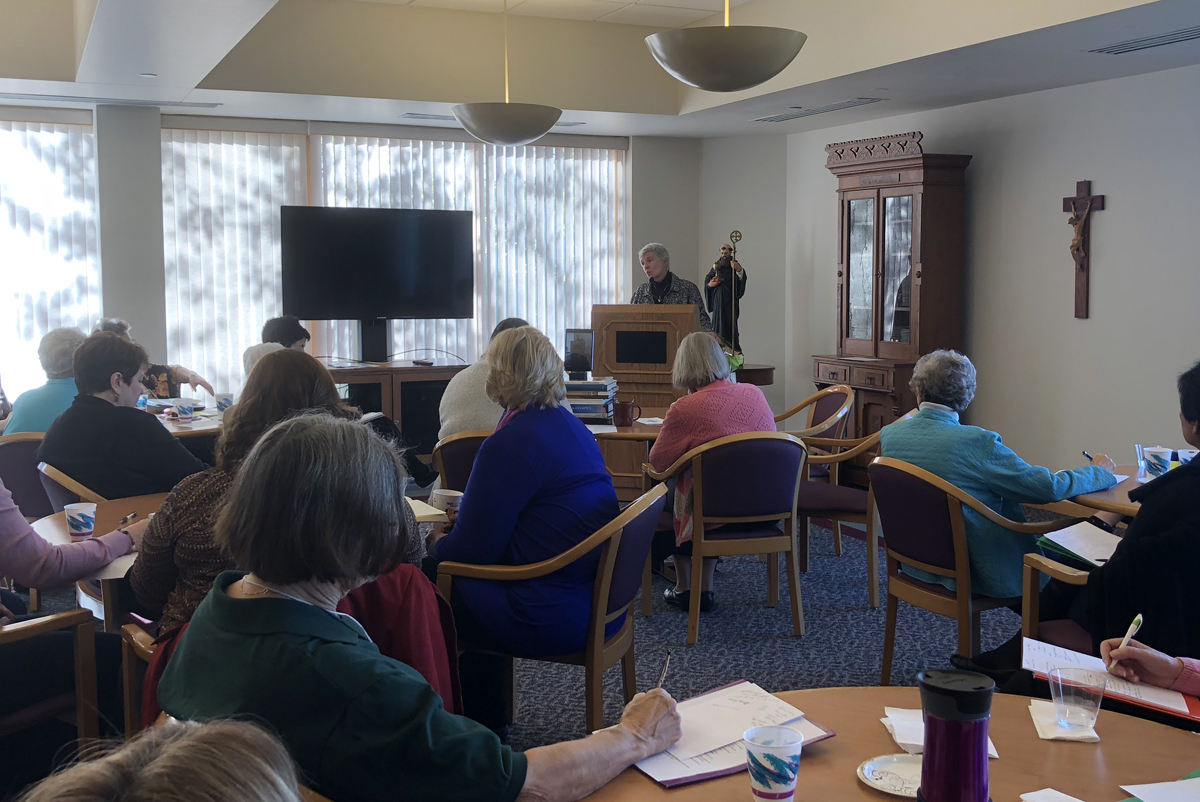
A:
(364, 264)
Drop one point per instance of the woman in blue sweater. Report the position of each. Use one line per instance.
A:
(976, 461)
(538, 487)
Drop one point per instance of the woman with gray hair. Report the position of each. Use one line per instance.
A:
(36, 409)
(714, 407)
(976, 461)
(664, 287)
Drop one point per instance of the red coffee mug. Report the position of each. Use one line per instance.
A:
(623, 413)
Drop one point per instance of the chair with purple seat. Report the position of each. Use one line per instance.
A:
(922, 516)
(751, 480)
(626, 547)
(454, 457)
(828, 413)
(1061, 632)
(19, 473)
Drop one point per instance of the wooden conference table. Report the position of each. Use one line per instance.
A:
(1115, 499)
(202, 426)
(625, 449)
(1130, 751)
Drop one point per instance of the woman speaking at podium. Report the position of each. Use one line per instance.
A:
(664, 287)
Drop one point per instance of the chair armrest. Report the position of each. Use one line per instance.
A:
(1063, 573)
(13, 633)
(141, 641)
(853, 449)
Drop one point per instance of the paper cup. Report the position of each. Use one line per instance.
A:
(1186, 455)
(81, 520)
(1158, 460)
(445, 499)
(224, 401)
(773, 759)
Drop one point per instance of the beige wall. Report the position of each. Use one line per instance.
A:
(1050, 384)
(664, 201)
(743, 186)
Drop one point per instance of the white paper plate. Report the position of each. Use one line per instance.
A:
(899, 775)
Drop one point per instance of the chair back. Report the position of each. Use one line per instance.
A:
(84, 698)
(454, 456)
(922, 522)
(63, 490)
(19, 473)
(754, 476)
(633, 547)
(828, 412)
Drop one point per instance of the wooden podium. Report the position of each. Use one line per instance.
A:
(636, 345)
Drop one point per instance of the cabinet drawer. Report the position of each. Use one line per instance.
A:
(827, 372)
(866, 377)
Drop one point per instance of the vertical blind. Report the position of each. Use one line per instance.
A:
(49, 251)
(221, 197)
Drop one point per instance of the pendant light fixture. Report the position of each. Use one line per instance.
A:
(506, 124)
(728, 58)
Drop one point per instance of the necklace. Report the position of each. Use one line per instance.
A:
(268, 589)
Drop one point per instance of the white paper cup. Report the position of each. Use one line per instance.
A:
(81, 520)
(445, 500)
(772, 760)
(1158, 460)
(1186, 455)
(224, 401)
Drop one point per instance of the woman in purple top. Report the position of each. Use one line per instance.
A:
(538, 487)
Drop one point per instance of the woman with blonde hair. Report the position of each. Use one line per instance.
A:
(183, 761)
(538, 487)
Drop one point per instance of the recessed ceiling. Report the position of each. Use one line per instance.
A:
(658, 13)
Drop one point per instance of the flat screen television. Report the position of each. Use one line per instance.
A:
(372, 264)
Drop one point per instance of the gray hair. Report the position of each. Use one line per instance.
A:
(659, 250)
(945, 377)
(699, 362)
(56, 352)
(114, 324)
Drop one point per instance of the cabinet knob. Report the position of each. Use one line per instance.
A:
(918, 274)
(870, 380)
(832, 375)
(839, 274)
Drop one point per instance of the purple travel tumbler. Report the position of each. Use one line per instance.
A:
(957, 706)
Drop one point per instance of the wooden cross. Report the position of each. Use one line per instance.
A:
(1081, 207)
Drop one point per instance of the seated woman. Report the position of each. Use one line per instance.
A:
(1137, 662)
(179, 560)
(159, 381)
(34, 410)
(103, 441)
(538, 487)
(316, 510)
(976, 461)
(714, 407)
(184, 761)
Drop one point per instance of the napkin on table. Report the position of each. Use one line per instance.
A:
(1048, 728)
(1047, 795)
(908, 728)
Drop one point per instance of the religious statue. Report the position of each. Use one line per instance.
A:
(1077, 221)
(724, 286)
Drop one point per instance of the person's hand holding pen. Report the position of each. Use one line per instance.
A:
(1102, 461)
(1137, 662)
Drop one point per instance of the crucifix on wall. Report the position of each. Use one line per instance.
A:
(1081, 207)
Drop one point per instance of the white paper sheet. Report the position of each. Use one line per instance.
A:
(1043, 657)
(1121, 477)
(1047, 795)
(907, 727)
(600, 428)
(651, 421)
(1181, 791)
(1088, 541)
(720, 718)
(665, 767)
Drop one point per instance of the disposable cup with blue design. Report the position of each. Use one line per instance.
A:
(1158, 460)
(772, 759)
(81, 520)
(224, 402)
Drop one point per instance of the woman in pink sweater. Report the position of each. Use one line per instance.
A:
(714, 407)
(1137, 662)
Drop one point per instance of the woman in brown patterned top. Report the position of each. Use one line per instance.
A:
(179, 560)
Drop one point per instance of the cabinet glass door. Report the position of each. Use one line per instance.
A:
(897, 269)
(860, 268)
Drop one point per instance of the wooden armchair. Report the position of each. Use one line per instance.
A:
(828, 412)
(63, 490)
(19, 472)
(626, 548)
(751, 478)
(83, 700)
(922, 515)
(1065, 633)
(454, 456)
(137, 647)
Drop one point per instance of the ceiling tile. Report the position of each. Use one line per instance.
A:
(467, 5)
(657, 16)
(569, 9)
(712, 6)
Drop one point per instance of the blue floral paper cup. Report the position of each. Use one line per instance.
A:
(1158, 460)
(81, 520)
(773, 760)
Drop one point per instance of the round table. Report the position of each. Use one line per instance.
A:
(1131, 750)
(1116, 498)
(200, 427)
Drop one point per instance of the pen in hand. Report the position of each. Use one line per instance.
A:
(1129, 633)
(1089, 456)
(663, 674)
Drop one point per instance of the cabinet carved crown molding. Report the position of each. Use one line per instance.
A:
(859, 151)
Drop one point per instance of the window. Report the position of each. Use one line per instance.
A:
(49, 254)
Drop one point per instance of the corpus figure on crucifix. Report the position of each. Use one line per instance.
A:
(724, 280)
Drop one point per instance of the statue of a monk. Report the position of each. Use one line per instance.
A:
(725, 278)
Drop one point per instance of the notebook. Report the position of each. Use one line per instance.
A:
(1083, 541)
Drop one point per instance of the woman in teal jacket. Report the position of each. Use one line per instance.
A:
(976, 461)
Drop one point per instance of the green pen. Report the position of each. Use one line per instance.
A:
(1129, 633)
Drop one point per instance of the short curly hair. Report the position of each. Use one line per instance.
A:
(945, 377)
(659, 250)
(56, 352)
(525, 370)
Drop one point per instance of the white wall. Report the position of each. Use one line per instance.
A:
(664, 201)
(1050, 384)
(743, 186)
(129, 183)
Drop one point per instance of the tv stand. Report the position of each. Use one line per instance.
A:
(375, 341)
